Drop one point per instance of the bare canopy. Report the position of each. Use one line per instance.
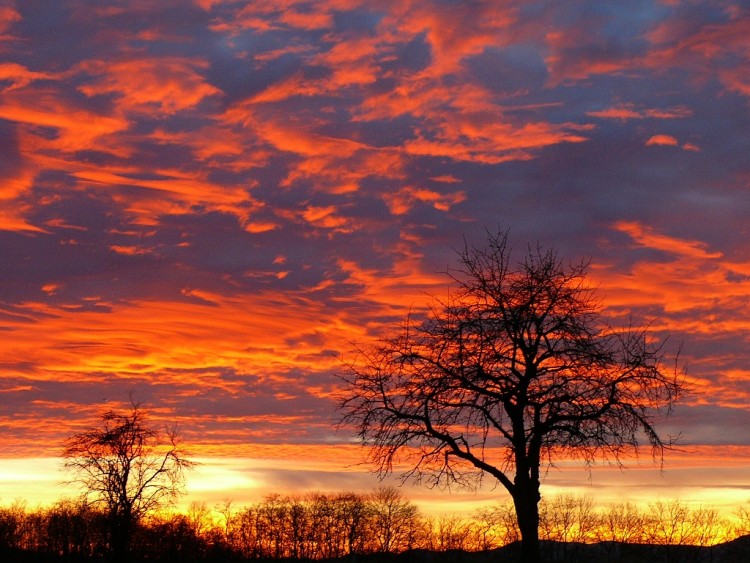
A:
(515, 368)
(126, 467)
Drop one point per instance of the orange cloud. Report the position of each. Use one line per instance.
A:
(207, 4)
(296, 14)
(448, 179)
(12, 220)
(8, 16)
(405, 287)
(146, 337)
(77, 129)
(680, 37)
(712, 45)
(576, 54)
(493, 143)
(304, 142)
(662, 140)
(677, 42)
(690, 289)
(445, 25)
(12, 212)
(295, 85)
(670, 141)
(322, 217)
(736, 80)
(464, 124)
(331, 174)
(325, 217)
(624, 112)
(19, 76)
(306, 20)
(167, 85)
(274, 54)
(353, 61)
(167, 191)
(402, 201)
(649, 238)
(330, 164)
(130, 250)
(461, 122)
(185, 347)
(260, 226)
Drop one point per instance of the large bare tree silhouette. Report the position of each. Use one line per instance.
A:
(515, 368)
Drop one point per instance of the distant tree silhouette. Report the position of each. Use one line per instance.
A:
(622, 523)
(395, 522)
(742, 523)
(513, 369)
(316, 527)
(128, 468)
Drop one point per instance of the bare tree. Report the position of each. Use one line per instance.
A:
(395, 521)
(741, 523)
(569, 521)
(622, 523)
(352, 516)
(513, 369)
(496, 526)
(128, 468)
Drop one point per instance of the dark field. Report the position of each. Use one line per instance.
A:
(735, 551)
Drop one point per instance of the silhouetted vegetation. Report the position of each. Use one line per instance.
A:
(126, 469)
(377, 528)
(516, 367)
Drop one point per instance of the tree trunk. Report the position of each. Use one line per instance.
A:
(121, 529)
(526, 502)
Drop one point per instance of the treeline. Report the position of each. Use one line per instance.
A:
(330, 525)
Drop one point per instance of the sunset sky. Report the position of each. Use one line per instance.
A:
(207, 203)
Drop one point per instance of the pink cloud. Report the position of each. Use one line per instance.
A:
(8, 16)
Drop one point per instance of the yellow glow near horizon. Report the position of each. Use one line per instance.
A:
(243, 481)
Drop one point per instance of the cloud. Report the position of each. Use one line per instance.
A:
(444, 27)
(628, 111)
(662, 140)
(268, 16)
(53, 123)
(8, 16)
(670, 141)
(165, 85)
(692, 40)
(19, 76)
(402, 201)
(647, 237)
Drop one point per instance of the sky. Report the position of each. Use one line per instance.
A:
(207, 204)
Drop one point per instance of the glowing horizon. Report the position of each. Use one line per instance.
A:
(207, 204)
